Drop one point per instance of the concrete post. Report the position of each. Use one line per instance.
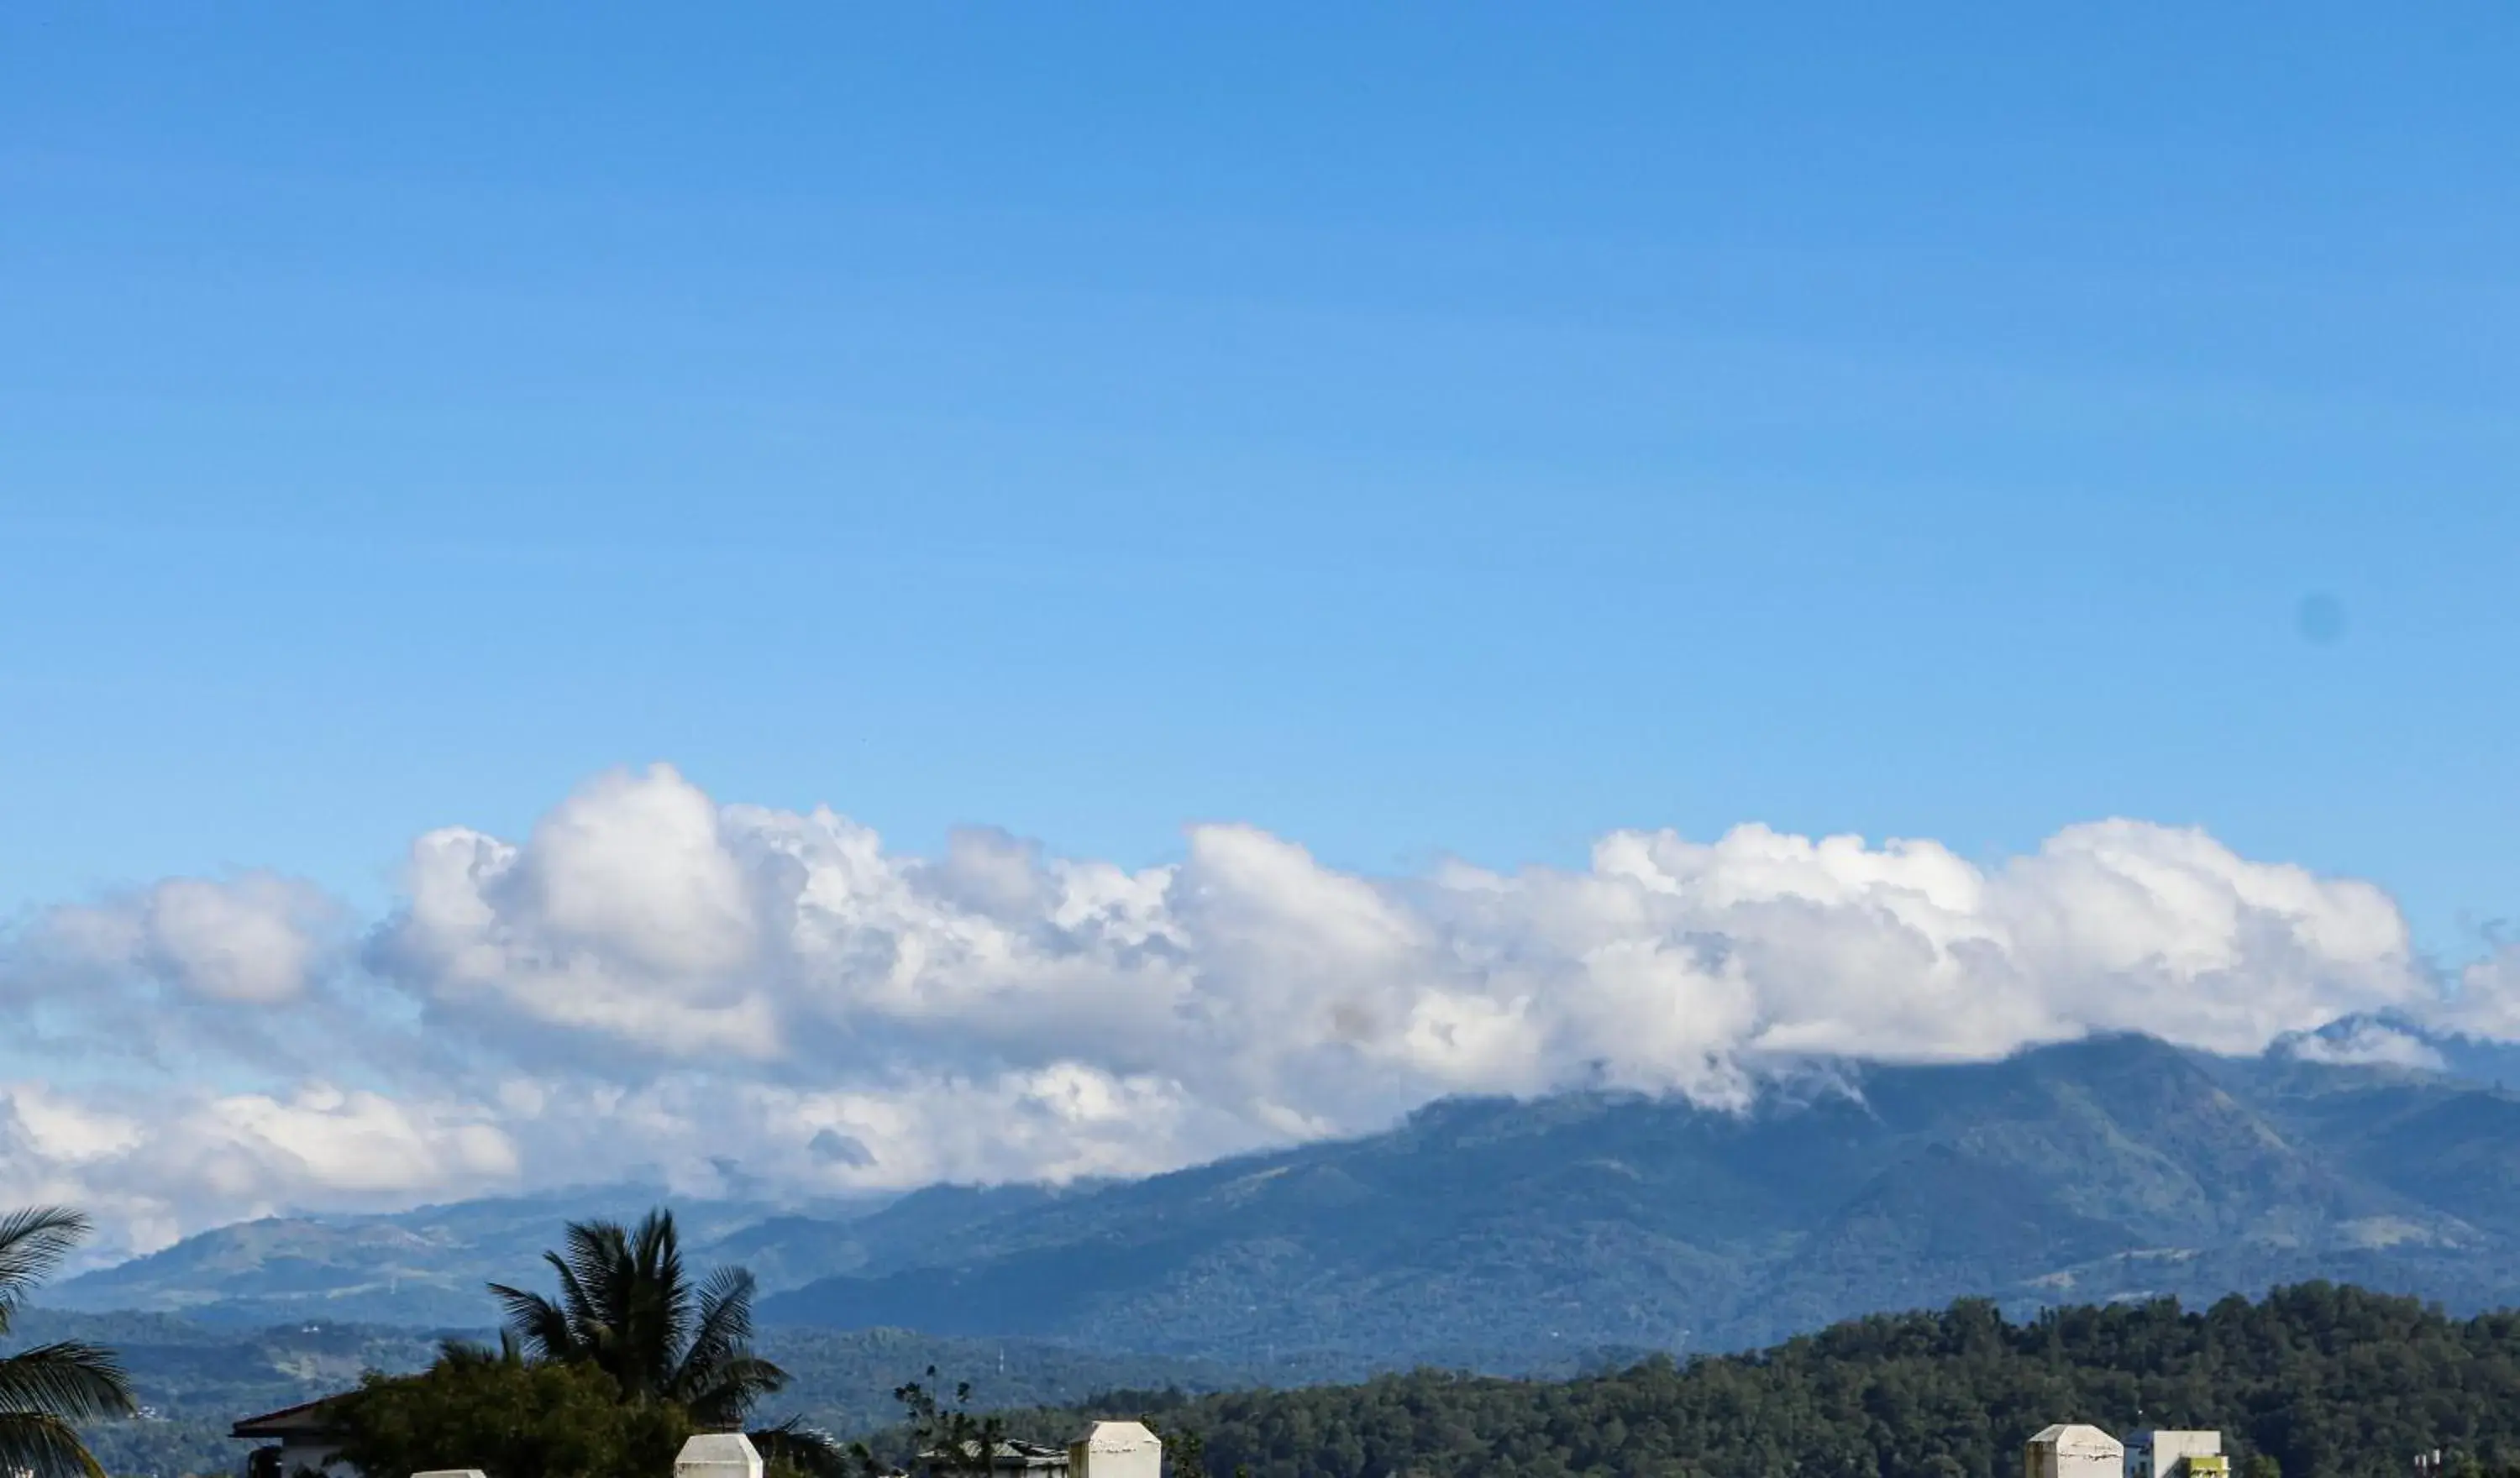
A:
(1116, 1449)
(718, 1454)
(2071, 1449)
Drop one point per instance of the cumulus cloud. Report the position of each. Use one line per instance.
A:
(1302, 997)
(2359, 1041)
(624, 914)
(256, 940)
(653, 979)
(155, 1168)
(2487, 1003)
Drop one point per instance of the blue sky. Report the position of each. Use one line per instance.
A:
(1412, 430)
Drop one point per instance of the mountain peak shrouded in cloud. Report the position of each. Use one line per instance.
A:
(652, 975)
(1495, 1231)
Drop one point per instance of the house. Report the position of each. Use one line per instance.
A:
(2070, 1450)
(1116, 1449)
(1016, 1460)
(1107, 1450)
(2175, 1455)
(305, 1437)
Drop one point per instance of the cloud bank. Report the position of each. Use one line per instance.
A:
(655, 982)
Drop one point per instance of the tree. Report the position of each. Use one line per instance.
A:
(510, 1417)
(46, 1391)
(793, 1449)
(627, 1308)
(1186, 1450)
(943, 1438)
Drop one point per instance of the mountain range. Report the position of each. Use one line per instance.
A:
(420, 1268)
(1509, 1235)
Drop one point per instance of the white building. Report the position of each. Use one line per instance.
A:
(2071, 1449)
(711, 1454)
(305, 1436)
(1116, 1449)
(2175, 1455)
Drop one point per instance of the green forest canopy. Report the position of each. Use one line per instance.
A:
(2330, 1382)
(2327, 1381)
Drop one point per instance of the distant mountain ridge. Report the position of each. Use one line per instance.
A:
(427, 1266)
(1504, 1234)
(2101, 1169)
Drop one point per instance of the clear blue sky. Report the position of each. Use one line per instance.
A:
(1409, 428)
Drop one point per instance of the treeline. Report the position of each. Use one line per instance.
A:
(2313, 1381)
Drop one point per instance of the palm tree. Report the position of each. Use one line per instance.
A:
(627, 1306)
(47, 1390)
(793, 1447)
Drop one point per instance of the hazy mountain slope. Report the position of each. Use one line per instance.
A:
(1924, 1231)
(1464, 1205)
(1507, 1234)
(1598, 1219)
(421, 1267)
(2134, 1132)
(2457, 1151)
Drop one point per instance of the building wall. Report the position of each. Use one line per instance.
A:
(1116, 1449)
(2075, 1452)
(2164, 1454)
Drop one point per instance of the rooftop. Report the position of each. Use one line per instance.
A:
(307, 1418)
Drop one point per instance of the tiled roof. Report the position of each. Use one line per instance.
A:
(1011, 1454)
(306, 1418)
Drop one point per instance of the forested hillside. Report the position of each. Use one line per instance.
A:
(2327, 1381)
(2331, 1382)
(194, 1381)
(1514, 1236)
(1492, 1233)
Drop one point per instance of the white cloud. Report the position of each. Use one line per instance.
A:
(651, 979)
(2363, 1043)
(2487, 1003)
(623, 914)
(257, 940)
(156, 1168)
(60, 1132)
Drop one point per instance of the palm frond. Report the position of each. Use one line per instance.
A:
(722, 1393)
(718, 1371)
(538, 1325)
(810, 1450)
(724, 1326)
(581, 1317)
(45, 1445)
(658, 1317)
(67, 1379)
(472, 1354)
(590, 1274)
(660, 1259)
(32, 1244)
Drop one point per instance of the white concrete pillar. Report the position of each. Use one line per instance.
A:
(1116, 1449)
(718, 1454)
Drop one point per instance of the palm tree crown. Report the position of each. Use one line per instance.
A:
(47, 1390)
(627, 1306)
